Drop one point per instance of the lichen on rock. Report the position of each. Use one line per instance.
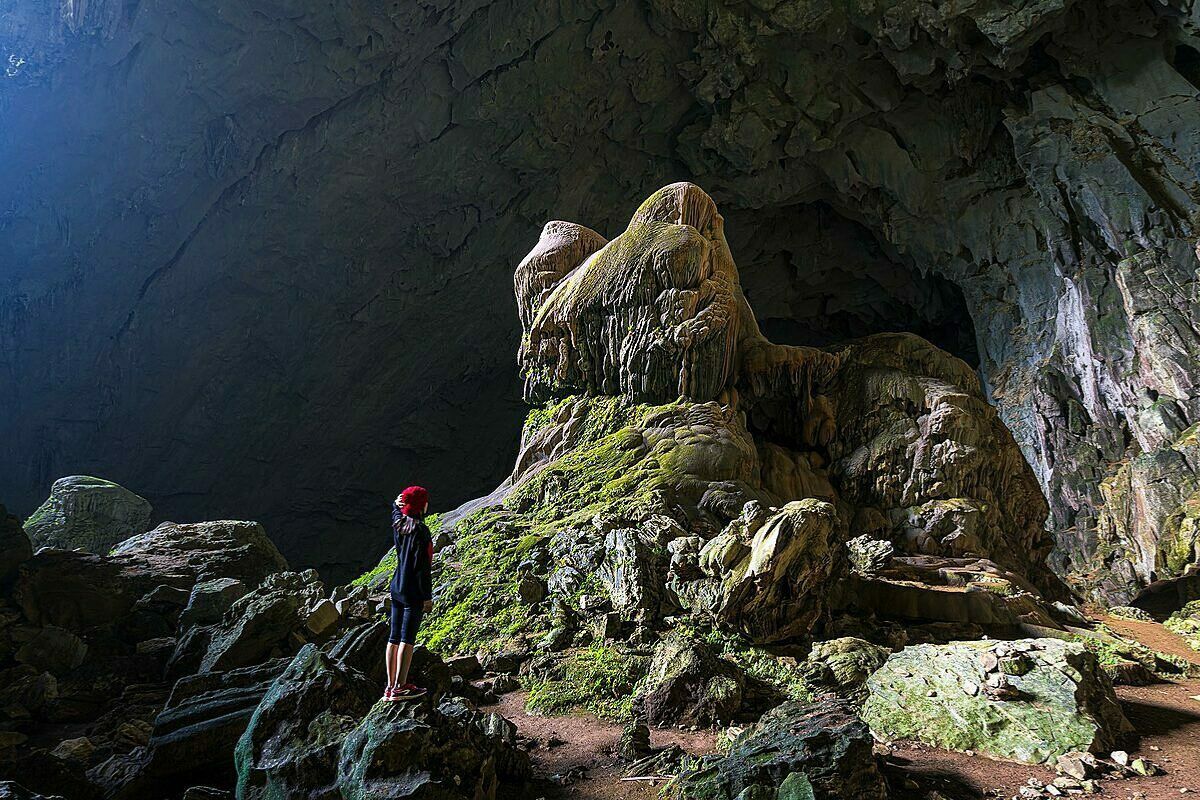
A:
(1029, 700)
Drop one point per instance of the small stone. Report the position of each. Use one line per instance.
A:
(1143, 767)
(323, 618)
(1120, 757)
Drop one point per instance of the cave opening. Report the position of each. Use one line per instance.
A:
(815, 277)
(1187, 63)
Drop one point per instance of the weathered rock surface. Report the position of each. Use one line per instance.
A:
(318, 733)
(795, 748)
(688, 684)
(881, 169)
(86, 513)
(205, 551)
(1030, 700)
(732, 488)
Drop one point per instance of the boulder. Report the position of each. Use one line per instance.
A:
(15, 547)
(209, 600)
(204, 551)
(85, 513)
(843, 665)
(291, 747)
(796, 750)
(1030, 700)
(688, 684)
(79, 591)
(399, 751)
(261, 622)
(779, 589)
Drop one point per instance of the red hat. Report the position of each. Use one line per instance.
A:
(414, 500)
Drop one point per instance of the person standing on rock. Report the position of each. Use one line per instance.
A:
(411, 589)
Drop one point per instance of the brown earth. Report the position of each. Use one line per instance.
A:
(574, 756)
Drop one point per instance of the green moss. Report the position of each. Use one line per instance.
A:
(1186, 623)
(602, 472)
(477, 607)
(598, 679)
(783, 675)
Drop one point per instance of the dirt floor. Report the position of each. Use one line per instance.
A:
(574, 756)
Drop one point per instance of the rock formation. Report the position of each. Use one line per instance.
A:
(1026, 700)
(1017, 188)
(85, 513)
(690, 464)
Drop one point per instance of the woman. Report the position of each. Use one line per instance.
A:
(411, 588)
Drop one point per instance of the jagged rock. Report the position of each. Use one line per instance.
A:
(779, 588)
(323, 617)
(194, 735)
(1031, 700)
(823, 744)
(630, 571)
(78, 749)
(844, 665)
(399, 751)
(256, 625)
(206, 793)
(15, 547)
(360, 648)
(53, 650)
(1186, 622)
(291, 746)
(205, 551)
(687, 684)
(85, 513)
(316, 734)
(209, 601)
(868, 556)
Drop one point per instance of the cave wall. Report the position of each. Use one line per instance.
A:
(256, 260)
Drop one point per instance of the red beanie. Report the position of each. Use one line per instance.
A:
(414, 500)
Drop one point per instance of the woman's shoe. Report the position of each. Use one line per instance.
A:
(389, 695)
(407, 692)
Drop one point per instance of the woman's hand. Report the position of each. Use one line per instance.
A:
(428, 606)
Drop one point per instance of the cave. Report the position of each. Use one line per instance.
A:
(768, 367)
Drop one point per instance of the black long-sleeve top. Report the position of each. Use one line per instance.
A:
(412, 583)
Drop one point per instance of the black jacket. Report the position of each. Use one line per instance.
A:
(412, 583)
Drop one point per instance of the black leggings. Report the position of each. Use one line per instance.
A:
(406, 620)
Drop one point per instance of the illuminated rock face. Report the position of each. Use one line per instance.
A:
(197, 295)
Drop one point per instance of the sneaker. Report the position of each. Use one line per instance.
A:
(389, 695)
(407, 692)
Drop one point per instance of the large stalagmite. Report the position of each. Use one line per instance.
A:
(677, 447)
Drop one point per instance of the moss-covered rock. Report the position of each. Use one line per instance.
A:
(796, 750)
(1186, 622)
(599, 679)
(687, 683)
(86, 513)
(1030, 700)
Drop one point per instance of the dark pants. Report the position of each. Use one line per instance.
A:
(406, 620)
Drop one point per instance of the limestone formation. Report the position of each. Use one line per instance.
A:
(1029, 700)
(85, 513)
(680, 460)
